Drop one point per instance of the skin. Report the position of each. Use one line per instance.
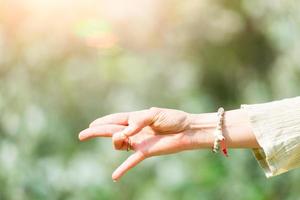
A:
(159, 131)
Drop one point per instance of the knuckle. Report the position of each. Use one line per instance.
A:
(155, 113)
(115, 145)
(155, 109)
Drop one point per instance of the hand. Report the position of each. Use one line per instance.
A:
(162, 121)
(160, 131)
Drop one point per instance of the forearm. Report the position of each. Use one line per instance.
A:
(236, 129)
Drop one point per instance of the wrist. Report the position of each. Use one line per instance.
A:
(204, 121)
(201, 128)
(237, 130)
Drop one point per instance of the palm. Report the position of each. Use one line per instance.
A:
(151, 143)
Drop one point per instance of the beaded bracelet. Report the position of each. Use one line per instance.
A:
(218, 133)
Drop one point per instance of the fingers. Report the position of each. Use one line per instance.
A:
(129, 163)
(100, 131)
(126, 145)
(118, 118)
(120, 137)
(138, 120)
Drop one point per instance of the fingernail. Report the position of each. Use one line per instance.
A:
(81, 134)
(117, 141)
(114, 179)
(127, 130)
(120, 136)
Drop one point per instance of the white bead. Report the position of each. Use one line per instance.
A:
(218, 133)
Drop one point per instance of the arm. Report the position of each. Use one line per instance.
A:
(158, 131)
(237, 130)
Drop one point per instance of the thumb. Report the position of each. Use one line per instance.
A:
(129, 163)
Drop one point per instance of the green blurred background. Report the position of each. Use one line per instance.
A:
(64, 63)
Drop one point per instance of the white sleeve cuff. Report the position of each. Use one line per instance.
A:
(276, 126)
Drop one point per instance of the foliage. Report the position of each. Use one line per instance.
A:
(65, 63)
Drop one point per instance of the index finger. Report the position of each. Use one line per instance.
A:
(117, 118)
(100, 131)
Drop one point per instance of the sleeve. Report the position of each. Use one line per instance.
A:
(276, 126)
